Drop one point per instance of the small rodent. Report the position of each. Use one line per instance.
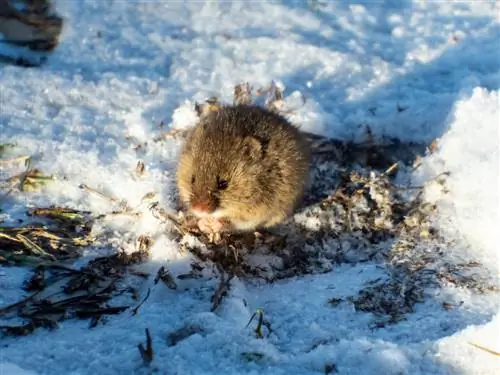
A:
(243, 166)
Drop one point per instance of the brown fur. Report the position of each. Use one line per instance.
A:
(264, 159)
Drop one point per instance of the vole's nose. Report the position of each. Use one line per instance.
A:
(204, 205)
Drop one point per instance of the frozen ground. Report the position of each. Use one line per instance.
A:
(411, 70)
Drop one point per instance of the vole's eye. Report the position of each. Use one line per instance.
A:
(193, 179)
(222, 184)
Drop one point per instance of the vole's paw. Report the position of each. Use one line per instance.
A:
(209, 225)
(214, 228)
(213, 225)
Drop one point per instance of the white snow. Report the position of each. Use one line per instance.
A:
(469, 151)
(11, 369)
(459, 351)
(412, 70)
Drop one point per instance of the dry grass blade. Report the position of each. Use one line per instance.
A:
(136, 309)
(183, 333)
(30, 180)
(27, 245)
(98, 193)
(24, 176)
(5, 235)
(10, 258)
(63, 292)
(260, 323)
(330, 368)
(390, 169)
(485, 349)
(30, 245)
(122, 203)
(59, 237)
(165, 216)
(21, 330)
(89, 313)
(19, 159)
(37, 281)
(164, 275)
(221, 291)
(146, 353)
(60, 213)
(18, 304)
(144, 243)
(253, 356)
(140, 168)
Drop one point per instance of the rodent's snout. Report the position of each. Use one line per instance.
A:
(204, 205)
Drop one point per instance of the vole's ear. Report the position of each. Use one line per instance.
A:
(253, 147)
(210, 106)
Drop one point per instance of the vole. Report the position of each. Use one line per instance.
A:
(242, 168)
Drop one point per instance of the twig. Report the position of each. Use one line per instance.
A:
(421, 187)
(146, 354)
(34, 247)
(20, 303)
(165, 276)
(23, 259)
(15, 160)
(136, 309)
(162, 214)
(98, 193)
(221, 291)
(411, 187)
(101, 311)
(485, 349)
(261, 322)
(24, 176)
(131, 214)
(390, 169)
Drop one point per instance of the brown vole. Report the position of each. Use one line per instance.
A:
(242, 167)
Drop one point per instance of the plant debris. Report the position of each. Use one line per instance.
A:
(358, 209)
(29, 24)
(146, 353)
(58, 291)
(497, 354)
(353, 212)
(183, 333)
(221, 292)
(260, 323)
(57, 239)
(31, 179)
(331, 368)
(136, 309)
(165, 276)
(253, 357)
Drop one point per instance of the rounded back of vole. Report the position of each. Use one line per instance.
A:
(243, 157)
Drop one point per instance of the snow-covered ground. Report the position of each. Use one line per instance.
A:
(410, 70)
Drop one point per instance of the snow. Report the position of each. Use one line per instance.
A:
(458, 350)
(11, 369)
(409, 70)
(471, 209)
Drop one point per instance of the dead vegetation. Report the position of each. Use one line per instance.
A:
(58, 291)
(29, 24)
(358, 209)
(45, 242)
(355, 212)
